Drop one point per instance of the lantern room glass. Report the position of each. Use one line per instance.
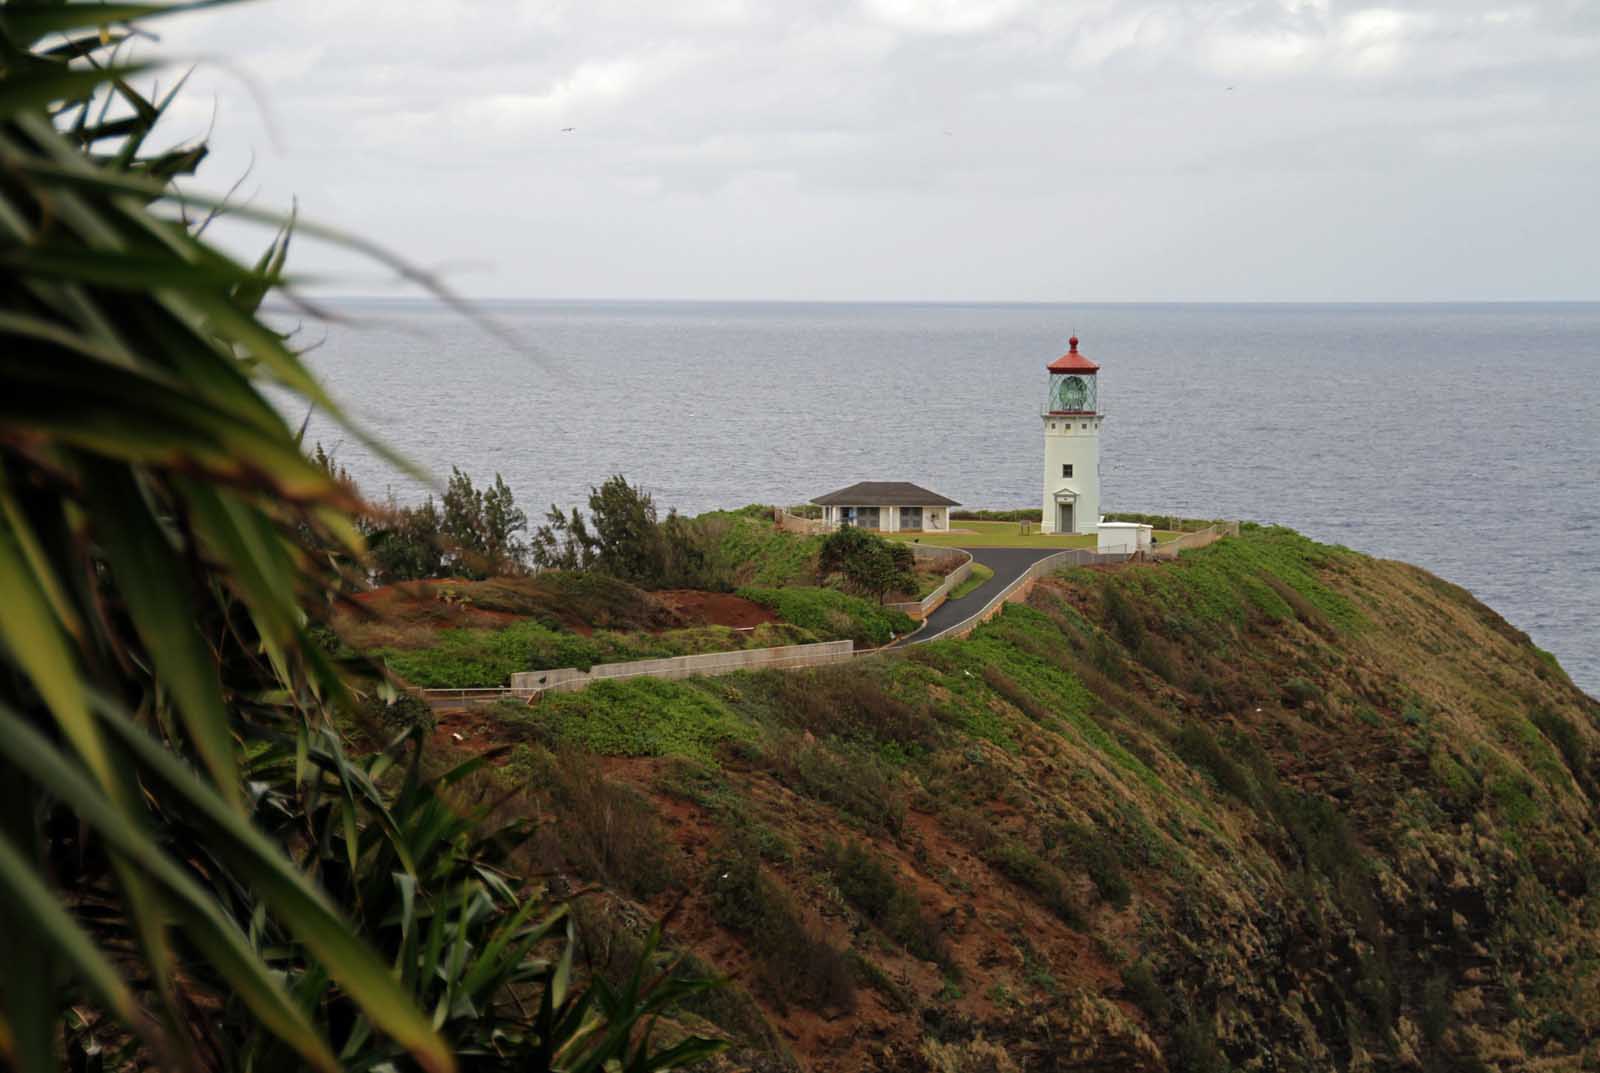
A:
(1072, 393)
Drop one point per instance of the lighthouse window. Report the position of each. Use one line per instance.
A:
(1066, 469)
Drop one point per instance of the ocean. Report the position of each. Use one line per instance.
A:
(1462, 438)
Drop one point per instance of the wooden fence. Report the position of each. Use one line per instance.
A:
(1197, 539)
(793, 523)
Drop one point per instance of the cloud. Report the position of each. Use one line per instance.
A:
(734, 146)
(945, 16)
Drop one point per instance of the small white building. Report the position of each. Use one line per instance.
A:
(1124, 537)
(887, 506)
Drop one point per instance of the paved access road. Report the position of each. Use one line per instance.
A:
(1008, 564)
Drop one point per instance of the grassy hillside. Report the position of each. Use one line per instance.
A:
(1275, 805)
(746, 548)
(474, 634)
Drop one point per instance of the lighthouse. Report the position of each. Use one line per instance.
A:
(1072, 445)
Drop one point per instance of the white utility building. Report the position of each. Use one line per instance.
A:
(1072, 445)
(1124, 537)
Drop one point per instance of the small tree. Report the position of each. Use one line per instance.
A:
(623, 538)
(685, 560)
(563, 543)
(869, 564)
(406, 543)
(481, 527)
(628, 543)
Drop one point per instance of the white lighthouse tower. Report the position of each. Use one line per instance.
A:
(1072, 445)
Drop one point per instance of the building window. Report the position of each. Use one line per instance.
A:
(1086, 424)
(1066, 469)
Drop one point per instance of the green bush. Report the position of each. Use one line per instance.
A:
(797, 965)
(1027, 868)
(850, 776)
(386, 719)
(610, 832)
(1299, 693)
(1097, 854)
(1197, 747)
(1565, 737)
(1170, 522)
(867, 563)
(833, 615)
(849, 702)
(639, 717)
(475, 658)
(1026, 514)
(746, 548)
(1146, 992)
(624, 537)
(870, 885)
(1194, 1047)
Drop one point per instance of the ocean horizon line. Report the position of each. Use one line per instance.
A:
(1464, 303)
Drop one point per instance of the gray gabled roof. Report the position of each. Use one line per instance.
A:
(884, 494)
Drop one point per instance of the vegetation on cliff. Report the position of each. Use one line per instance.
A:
(1274, 805)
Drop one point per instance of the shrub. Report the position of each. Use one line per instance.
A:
(1096, 853)
(1170, 522)
(1123, 619)
(610, 832)
(868, 563)
(473, 533)
(849, 702)
(868, 884)
(746, 548)
(386, 719)
(1026, 514)
(640, 717)
(1194, 1047)
(1435, 1015)
(1146, 992)
(471, 658)
(1027, 868)
(1299, 693)
(1565, 737)
(846, 775)
(833, 615)
(797, 965)
(1197, 747)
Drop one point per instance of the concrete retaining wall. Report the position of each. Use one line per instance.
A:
(570, 679)
(1018, 589)
(921, 609)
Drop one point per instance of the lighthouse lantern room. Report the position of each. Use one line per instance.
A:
(1072, 445)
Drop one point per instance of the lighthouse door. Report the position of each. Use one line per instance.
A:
(1064, 518)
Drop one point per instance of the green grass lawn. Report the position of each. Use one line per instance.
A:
(979, 575)
(1003, 535)
(994, 535)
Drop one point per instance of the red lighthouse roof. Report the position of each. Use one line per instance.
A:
(1072, 361)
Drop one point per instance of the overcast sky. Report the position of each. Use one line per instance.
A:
(925, 149)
